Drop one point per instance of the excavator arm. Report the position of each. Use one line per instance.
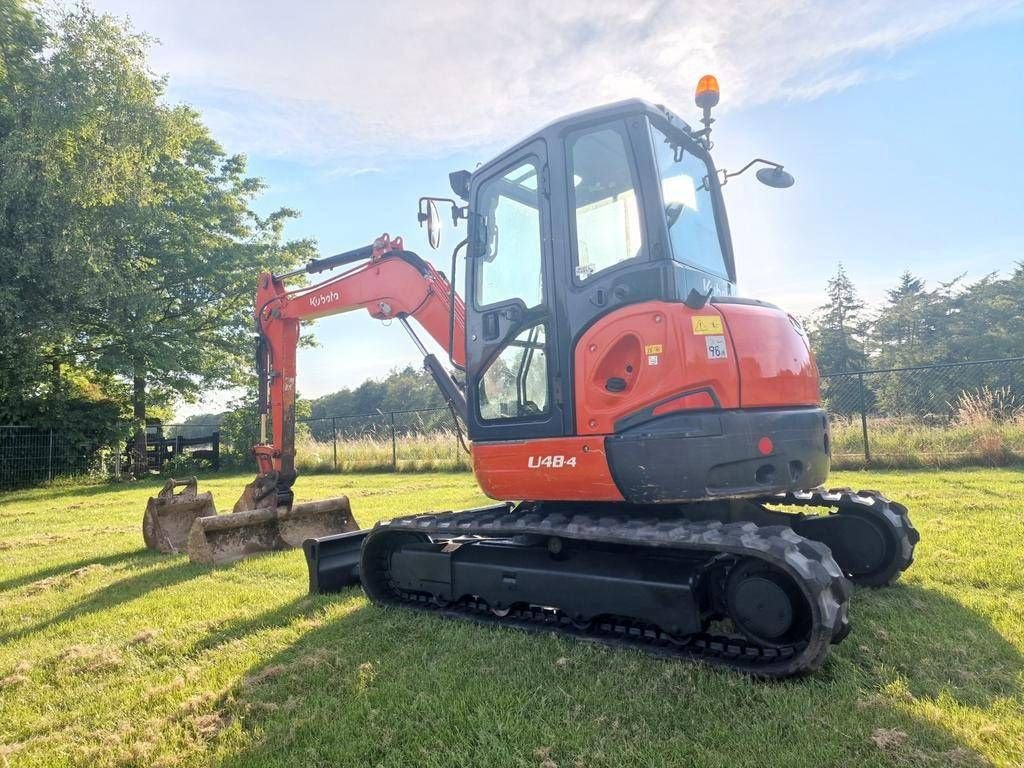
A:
(388, 282)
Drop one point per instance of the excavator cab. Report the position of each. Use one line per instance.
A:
(600, 303)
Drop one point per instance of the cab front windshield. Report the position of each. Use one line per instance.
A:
(689, 213)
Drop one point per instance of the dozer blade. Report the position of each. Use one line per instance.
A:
(169, 515)
(225, 538)
(333, 561)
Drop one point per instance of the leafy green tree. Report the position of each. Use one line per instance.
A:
(403, 389)
(128, 230)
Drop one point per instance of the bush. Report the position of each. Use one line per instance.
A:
(185, 465)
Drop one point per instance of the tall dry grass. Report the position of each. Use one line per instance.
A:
(910, 443)
(434, 451)
(986, 428)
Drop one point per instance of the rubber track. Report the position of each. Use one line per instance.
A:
(809, 564)
(870, 503)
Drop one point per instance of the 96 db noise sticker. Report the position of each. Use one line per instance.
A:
(716, 347)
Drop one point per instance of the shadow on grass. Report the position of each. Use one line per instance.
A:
(151, 484)
(392, 687)
(121, 591)
(274, 618)
(134, 557)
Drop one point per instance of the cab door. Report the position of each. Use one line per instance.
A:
(513, 387)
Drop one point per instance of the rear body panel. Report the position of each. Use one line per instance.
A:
(677, 404)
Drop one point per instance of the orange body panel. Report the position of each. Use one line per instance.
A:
(653, 347)
(776, 365)
(553, 469)
(747, 355)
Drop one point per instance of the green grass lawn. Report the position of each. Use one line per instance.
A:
(111, 655)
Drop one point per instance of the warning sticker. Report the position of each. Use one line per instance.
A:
(707, 325)
(716, 347)
(652, 359)
(652, 349)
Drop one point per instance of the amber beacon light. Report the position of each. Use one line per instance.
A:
(707, 92)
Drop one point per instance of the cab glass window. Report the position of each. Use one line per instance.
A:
(607, 214)
(515, 384)
(688, 210)
(510, 265)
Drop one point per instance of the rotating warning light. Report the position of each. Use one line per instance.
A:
(707, 92)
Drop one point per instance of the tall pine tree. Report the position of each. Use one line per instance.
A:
(839, 329)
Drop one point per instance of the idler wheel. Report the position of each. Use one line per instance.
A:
(765, 604)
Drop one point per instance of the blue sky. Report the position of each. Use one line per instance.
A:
(902, 122)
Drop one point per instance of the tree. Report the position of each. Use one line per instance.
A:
(837, 336)
(128, 230)
(839, 327)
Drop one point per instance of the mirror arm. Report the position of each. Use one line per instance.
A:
(726, 175)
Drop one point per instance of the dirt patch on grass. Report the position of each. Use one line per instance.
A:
(63, 580)
(144, 637)
(315, 659)
(888, 738)
(94, 659)
(18, 675)
(209, 725)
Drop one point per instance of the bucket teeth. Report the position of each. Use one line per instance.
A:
(169, 516)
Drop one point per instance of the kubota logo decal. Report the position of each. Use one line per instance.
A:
(536, 462)
(319, 299)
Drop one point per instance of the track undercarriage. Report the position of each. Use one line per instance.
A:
(757, 585)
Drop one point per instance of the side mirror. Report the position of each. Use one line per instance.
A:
(428, 214)
(433, 225)
(775, 177)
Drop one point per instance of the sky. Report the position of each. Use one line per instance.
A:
(903, 124)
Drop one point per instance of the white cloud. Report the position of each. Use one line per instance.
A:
(321, 80)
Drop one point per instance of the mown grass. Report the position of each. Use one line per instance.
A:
(113, 656)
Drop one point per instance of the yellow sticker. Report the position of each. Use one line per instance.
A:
(652, 349)
(707, 325)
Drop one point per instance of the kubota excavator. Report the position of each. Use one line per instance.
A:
(656, 443)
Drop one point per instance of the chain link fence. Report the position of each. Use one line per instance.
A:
(415, 439)
(927, 415)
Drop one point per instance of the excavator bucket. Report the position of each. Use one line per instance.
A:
(169, 516)
(265, 527)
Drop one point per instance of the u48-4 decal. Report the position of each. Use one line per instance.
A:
(554, 461)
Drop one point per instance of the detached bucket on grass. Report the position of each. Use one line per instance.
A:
(225, 538)
(169, 516)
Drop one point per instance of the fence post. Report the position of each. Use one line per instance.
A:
(49, 458)
(334, 436)
(864, 420)
(394, 443)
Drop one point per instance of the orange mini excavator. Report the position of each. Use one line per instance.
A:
(656, 443)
